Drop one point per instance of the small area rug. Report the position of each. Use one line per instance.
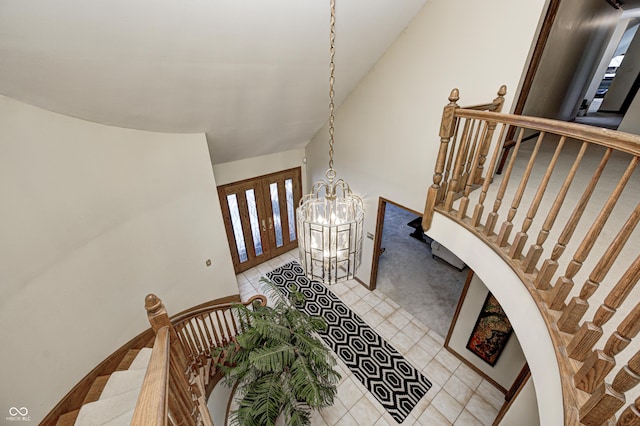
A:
(395, 383)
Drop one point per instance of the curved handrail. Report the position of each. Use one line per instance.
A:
(152, 405)
(620, 141)
(470, 138)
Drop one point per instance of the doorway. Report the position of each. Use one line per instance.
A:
(406, 270)
(259, 216)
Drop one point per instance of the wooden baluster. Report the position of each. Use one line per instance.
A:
(215, 331)
(225, 339)
(629, 376)
(499, 101)
(505, 230)
(549, 266)
(591, 331)
(470, 179)
(564, 284)
(205, 326)
(479, 208)
(492, 218)
(603, 403)
(450, 156)
(473, 152)
(521, 237)
(446, 131)
(578, 306)
(631, 415)
(458, 168)
(601, 361)
(535, 251)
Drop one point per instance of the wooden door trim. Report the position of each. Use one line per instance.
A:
(377, 241)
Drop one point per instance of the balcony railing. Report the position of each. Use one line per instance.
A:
(571, 190)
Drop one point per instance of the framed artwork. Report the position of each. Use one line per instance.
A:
(491, 332)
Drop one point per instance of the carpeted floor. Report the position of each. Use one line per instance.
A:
(429, 289)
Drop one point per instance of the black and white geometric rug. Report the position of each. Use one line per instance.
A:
(388, 376)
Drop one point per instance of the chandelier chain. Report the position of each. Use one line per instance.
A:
(332, 53)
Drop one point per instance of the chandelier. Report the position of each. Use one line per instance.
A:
(330, 217)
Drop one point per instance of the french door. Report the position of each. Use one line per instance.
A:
(259, 216)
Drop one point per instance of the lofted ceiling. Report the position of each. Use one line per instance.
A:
(252, 74)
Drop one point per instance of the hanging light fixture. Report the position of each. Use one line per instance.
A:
(330, 217)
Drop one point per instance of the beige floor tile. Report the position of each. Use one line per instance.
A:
(373, 318)
(251, 274)
(433, 417)
(382, 421)
(333, 414)
(386, 330)
(456, 388)
(360, 307)
(446, 358)
(361, 291)
(348, 420)
(481, 410)
(365, 412)
(468, 376)
(402, 342)
(435, 336)
(349, 298)
(349, 393)
(466, 419)
(491, 394)
(384, 308)
(433, 391)
(413, 331)
(372, 299)
(398, 319)
(316, 419)
(421, 406)
(447, 405)
(339, 289)
(376, 404)
(437, 373)
(430, 345)
(419, 357)
(421, 325)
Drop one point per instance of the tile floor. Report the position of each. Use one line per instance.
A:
(458, 397)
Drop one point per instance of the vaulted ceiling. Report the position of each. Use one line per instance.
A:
(252, 74)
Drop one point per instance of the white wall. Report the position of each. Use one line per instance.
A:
(511, 360)
(524, 409)
(519, 306)
(257, 166)
(630, 123)
(579, 38)
(624, 79)
(93, 218)
(387, 129)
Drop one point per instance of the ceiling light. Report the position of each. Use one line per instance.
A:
(330, 217)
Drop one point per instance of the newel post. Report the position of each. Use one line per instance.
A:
(156, 312)
(447, 128)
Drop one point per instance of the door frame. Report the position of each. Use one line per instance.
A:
(377, 241)
(260, 185)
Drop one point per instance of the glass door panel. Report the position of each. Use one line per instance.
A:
(259, 216)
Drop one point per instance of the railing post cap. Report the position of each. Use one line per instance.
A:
(454, 96)
(502, 90)
(152, 303)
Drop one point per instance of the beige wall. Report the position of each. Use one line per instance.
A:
(580, 35)
(624, 79)
(524, 409)
(257, 166)
(630, 123)
(387, 129)
(510, 362)
(93, 218)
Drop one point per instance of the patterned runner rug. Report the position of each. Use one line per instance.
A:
(395, 383)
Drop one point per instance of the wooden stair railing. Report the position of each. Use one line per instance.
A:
(468, 136)
(179, 377)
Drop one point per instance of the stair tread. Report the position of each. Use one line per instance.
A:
(141, 360)
(96, 389)
(123, 381)
(107, 410)
(68, 419)
(128, 359)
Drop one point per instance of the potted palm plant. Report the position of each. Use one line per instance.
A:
(279, 364)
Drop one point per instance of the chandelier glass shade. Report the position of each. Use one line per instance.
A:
(330, 226)
(330, 218)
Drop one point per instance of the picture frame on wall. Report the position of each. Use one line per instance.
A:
(491, 331)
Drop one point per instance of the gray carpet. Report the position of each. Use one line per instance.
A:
(427, 288)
